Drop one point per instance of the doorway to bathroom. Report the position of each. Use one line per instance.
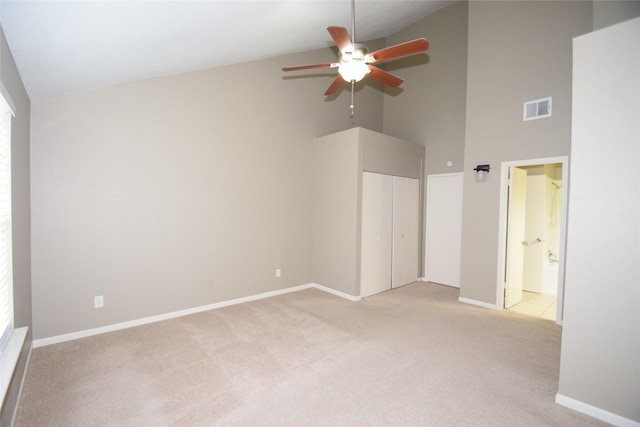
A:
(533, 215)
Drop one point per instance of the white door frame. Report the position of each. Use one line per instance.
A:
(564, 160)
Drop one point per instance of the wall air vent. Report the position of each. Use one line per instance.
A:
(538, 109)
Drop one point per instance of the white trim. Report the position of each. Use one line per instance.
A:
(335, 292)
(441, 175)
(562, 253)
(9, 358)
(478, 303)
(444, 284)
(595, 412)
(42, 342)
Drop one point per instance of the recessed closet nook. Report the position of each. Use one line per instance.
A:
(368, 211)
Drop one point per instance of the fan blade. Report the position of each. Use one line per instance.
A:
(335, 86)
(384, 77)
(341, 37)
(308, 67)
(414, 46)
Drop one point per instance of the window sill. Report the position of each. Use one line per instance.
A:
(9, 358)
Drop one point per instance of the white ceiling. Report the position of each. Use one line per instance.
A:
(62, 47)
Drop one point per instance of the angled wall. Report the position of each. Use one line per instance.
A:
(599, 370)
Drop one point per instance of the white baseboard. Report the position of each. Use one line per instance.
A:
(446, 284)
(337, 293)
(478, 303)
(42, 342)
(595, 412)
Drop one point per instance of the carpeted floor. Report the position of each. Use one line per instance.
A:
(410, 356)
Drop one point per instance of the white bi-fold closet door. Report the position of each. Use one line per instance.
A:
(390, 232)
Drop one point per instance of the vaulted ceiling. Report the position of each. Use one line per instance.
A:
(63, 47)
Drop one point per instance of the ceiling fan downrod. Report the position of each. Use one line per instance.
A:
(353, 21)
(353, 41)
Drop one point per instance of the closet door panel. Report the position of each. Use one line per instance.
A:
(375, 253)
(406, 210)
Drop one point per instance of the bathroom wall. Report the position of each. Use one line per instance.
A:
(553, 208)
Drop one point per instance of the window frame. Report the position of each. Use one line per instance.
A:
(16, 338)
(6, 279)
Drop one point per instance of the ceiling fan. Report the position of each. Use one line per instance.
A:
(356, 62)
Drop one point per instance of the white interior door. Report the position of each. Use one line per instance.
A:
(444, 228)
(406, 210)
(375, 254)
(517, 199)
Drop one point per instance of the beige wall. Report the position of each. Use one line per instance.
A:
(180, 191)
(609, 12)
(337, 184)
(601, 330)
(518, 51)
(391, 156)
(21, 217)
(429, 108)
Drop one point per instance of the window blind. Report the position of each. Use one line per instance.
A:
(6, 282)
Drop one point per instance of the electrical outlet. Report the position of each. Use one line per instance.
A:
(210, 285)
(278, 272)
(98, 302)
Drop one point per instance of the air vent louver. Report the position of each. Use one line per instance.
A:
(538, 109)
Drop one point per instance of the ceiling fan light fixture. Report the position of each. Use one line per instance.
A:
(353, 70)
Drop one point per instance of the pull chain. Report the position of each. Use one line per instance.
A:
(353, 84)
